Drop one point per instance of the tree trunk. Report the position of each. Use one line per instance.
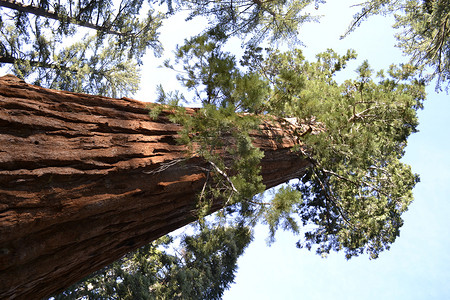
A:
(85, 179)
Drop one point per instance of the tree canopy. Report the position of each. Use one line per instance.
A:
(350, 200)
(358, 188)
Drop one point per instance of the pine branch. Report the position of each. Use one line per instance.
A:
(224, 175)
(38, 11)
(53, 66)
(326, 189)
(261, 5)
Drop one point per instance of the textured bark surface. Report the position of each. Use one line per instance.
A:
(85, 179)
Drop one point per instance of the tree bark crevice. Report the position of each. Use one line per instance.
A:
(85, 179)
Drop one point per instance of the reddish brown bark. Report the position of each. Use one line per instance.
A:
(85, 179)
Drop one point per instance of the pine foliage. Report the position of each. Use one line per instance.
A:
(424, 33)
(355, 193)
(201, 268)
(35, 43)
(252, 20)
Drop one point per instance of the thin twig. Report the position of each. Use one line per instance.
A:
(224, 175)
(329, 192)
(164, 166)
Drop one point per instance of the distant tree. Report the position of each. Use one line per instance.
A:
(202, 267)
(424, 32)
(36, 42)
(82, 67)
(274, 20)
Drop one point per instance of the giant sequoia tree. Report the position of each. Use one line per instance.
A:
(86, 179)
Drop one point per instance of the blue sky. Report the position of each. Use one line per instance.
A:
(418, 264)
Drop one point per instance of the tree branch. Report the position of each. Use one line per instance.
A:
(327, 191)
(38, 11)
